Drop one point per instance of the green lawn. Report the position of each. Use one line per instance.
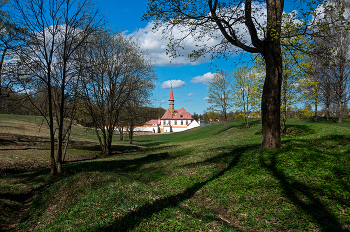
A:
(205, 179)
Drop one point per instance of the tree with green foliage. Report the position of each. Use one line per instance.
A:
(246, 86)
(224, 21)
(220, 94)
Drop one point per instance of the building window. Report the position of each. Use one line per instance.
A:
(175, 122)
(182, 122)
(186, 122)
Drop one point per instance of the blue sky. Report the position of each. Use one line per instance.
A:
(126, 16)
(192, 87)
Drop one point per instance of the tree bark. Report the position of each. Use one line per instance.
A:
(121, 135)
(52, 134)
(61, 116)
(271, 97)
(340, 113)
(131, 133)
(66, 146)
(316, 109)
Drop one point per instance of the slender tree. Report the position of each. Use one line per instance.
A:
(247, 85)
(220, 93)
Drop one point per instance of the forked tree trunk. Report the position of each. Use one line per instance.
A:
(271, 97)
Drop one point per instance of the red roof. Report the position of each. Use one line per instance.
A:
(171, 98)
(152, 121)
(167, 115)
(181, 114)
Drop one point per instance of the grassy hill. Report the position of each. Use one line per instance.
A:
(204, 179)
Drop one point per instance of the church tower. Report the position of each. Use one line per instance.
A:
(171, 100)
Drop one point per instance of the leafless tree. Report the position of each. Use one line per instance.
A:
(334, 75)
(119, 70)
(56, 30)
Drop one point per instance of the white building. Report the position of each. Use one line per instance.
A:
(173, 120)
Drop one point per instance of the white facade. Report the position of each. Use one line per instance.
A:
(175, 122)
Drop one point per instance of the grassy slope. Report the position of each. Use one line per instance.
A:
(203, 179)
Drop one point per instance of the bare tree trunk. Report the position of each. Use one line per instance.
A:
(271, 97)
(1, 65)
(100, 140)
(284, 109)
(131, 133)
(52, 134)
(121, 131)
(316, 110)
(246, 120)
(340, 113)
(109, 141)
(327, 108)
(60, 124)
(66, 146)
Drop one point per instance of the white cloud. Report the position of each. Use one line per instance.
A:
(162, 101)
(205, 99)
(175, 83)
(205, 79)
(190, 94)
(156, 42)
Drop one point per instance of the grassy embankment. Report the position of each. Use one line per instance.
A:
(199, 180)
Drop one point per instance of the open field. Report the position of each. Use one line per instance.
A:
(205, 179)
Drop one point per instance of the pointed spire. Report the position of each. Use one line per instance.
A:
(171, 98)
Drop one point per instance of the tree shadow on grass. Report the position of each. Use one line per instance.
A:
(302, 196)
(15, 209)
(119, 166)
(134, 218)
(327, 149)
(294, 130)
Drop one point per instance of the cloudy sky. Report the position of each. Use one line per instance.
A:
(190, 80)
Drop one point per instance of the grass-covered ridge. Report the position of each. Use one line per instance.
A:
(198, 180)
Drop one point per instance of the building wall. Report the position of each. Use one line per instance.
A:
(138, 128)
(178, 122)
(173, 127)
